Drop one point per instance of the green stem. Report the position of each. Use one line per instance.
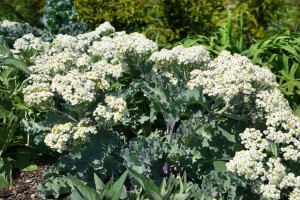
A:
(227, 105)
(62, 113)
(10, 130)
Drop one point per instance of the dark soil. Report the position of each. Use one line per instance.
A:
(25, 183)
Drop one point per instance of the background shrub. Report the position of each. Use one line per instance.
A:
(166, 21)
(59, 17)
(29, 11)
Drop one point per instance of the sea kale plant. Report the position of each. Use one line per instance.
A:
(12, 30)
(271, 151)
(59, 17)
(112, 102)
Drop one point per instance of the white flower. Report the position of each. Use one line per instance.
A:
(83, 129)
(229, 75)
(247, 163)
(7, 23)
(83, 60)
(288, 181)
(114, 49)
(270, 191)
(115, 110)
(295, 194)
(37, 94)
(171, 77)
(290, 153)
(276, 171)
(103, 30)
(74, 87)
(181, 57)
(59, 137)
(29, 42)
(59, 62)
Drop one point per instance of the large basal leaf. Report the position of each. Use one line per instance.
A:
(85, 191)
(115, 190)
(4, 112)
(4, 50)
(76, 195)
(147, 184)
(5, 173)
(98, 183)
(6, 74)
(23, 160)
(12, 62)
(220, 166)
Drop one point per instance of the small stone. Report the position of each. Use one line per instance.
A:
(14, 191)
(10, 188)
(33, 196)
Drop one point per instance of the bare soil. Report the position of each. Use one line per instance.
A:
(25, 183)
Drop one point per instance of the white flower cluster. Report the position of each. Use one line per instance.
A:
(84, 61)
(103, 30)
(295, 194)
(104, 69)
(121, 45)
(63, 135)
(283, 126)
(60, 62)
(229, 75)
(248, 164)
(37, 94)
(253, 139)
(29, 42)
(7, 23)
(67, 56)
(180, 56)
(270, 192)
(173, 80)
(115, 110)
(83, 129)
(137, 45)
(59, 136)
(66, 42)
(74, 87)
(39, 90)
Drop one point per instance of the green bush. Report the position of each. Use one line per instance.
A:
(166, 21)
(291, 18)
(144, 15)
(29, 11)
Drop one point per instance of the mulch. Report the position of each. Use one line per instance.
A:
(25, 183)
